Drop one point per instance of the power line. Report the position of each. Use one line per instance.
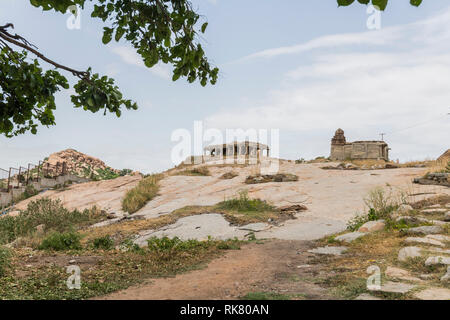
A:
(413, 126)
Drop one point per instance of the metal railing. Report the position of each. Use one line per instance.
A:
(23, 176)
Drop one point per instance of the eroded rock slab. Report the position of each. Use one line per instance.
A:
(424, 230)
(396, 287)
(437, 260)
(424, 241)
(255, 227)
(397, 273)
(408, 253)
(350, 237)
(366, 296)
(329, 250)
(433, 294)
(438, 237)
(434, 210)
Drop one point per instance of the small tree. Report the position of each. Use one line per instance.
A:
(159, 30)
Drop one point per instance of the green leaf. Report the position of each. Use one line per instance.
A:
(345, 3)
(416, 2)
(119, 33)
(381, 4)
(107, 35)
(204, 26)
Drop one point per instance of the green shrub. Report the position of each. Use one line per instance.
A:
(5, 256)
(104, 174)
(105, 243)
(125, 172)
(61, 242)
(49, 213)
(166, 244)
(243, 203)
(138, 197)
(129, 245)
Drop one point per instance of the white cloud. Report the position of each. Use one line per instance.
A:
(129, 56)
(404, 83)
(431, 30)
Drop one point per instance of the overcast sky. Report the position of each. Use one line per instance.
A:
(303, 67)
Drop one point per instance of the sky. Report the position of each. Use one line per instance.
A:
(304, 68)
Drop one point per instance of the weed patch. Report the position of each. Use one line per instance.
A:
(138, 197)
(49, 213)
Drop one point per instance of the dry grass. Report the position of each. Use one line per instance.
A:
(441, 200)
(199, 171)
(145, 191)
(439, 166)
(380, 249)
(229, 175)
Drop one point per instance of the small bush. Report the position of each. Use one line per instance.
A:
(381, 206)
(49, 213)
(200, 171)
(5, 256)
(138, 197)
(229, 175)
(125, 172)
(61, 242)
(104, 174)
(166, 244)
(129, 245)
(104, 243)
(243, 203)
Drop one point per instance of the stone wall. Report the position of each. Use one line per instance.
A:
(44, 183)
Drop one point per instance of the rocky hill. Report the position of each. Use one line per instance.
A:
(445, 156)
(83, 165)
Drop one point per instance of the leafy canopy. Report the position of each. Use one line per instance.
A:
(381, 4)
(159, 30)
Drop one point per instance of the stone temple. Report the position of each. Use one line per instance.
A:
(233, 152)
(234, 149)
(357, 150)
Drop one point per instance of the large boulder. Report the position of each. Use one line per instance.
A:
(350, 237)
(372, 226)
(424, 230)
(437, 260)
(409, 253)
(404, 209)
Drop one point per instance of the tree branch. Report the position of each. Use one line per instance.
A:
(23, 43)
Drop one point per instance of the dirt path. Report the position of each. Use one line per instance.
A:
(274, 266)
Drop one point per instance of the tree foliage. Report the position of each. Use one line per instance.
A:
(163, 31)
(381, 4)
(159, 30)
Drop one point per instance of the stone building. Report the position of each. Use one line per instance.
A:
(235, 149)
(357, 150)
